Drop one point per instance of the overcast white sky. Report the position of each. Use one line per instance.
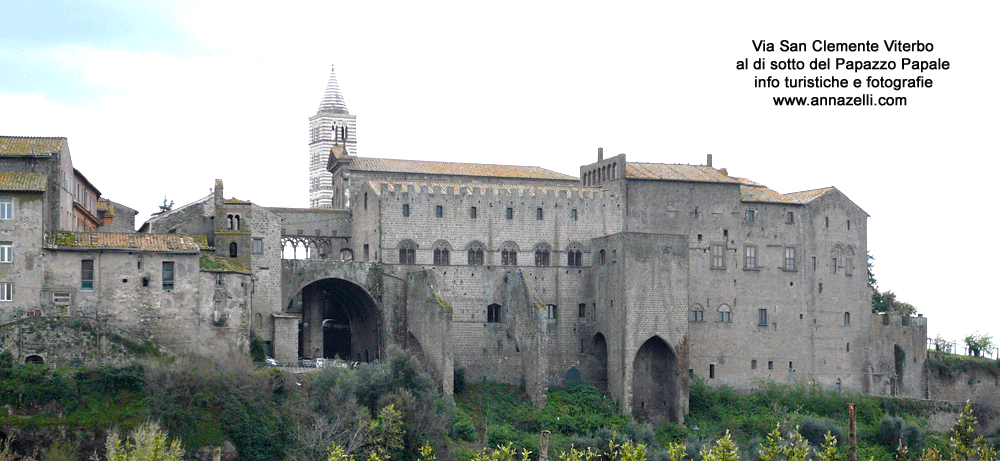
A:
(161, 98)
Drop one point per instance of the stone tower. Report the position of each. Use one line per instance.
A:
(329, 127)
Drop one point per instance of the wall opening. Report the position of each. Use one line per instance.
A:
(655, 383)
(339, 320)
(597, 372)
(34, 360)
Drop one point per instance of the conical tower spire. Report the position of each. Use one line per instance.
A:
(333, 100)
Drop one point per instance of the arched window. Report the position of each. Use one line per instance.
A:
(849, 260)
(508, 254)
(236, 220)
(346, 254)
(836, 253)
(602, 257)
(574, 255)
(407, 252)
(725, 314)
(542, 252)
(229, 218)
(847, 318)
(442, 253)
(494, 313)
(697, 313)
(476, 254)
(233, 250)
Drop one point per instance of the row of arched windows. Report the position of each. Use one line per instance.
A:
(233, 221)
(476, 254)
(601, 174)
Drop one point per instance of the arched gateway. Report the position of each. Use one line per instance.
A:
(339, 320)
(655, 383)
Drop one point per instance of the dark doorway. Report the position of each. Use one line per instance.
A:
(339, 320)
(655, 383)
(598, 366)
(34, 360)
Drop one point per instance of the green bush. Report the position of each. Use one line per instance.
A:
(815, 429)
(458, 384)
(463, 428)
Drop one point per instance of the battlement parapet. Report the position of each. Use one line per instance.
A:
(899, 320)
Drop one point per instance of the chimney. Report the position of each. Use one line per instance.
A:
(600, 154)
(709, 159)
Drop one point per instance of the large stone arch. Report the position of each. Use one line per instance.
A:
(656, 383)
(597, 362)
(340, 319)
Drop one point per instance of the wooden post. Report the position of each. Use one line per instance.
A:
(852, 432)
(543, 446)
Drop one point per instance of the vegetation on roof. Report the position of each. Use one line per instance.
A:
(213, 263)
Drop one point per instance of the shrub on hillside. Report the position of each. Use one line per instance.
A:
(814, 430)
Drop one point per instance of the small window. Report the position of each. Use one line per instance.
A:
(508, 255)
(833, 265)
(573, 214)
(475, 255)
(697, 313)
(750, 257)
(820, 287)
(790, 367)
(753, 364)
(407, 253)
(552, 312)
(438, 211)
(218, 279)
(62, 298)
(847, 319)
(790, 217)
(168, 275)
(87, 274)
(6, 252)
(770, 364)
(233, 250)
(539, 214)
(6, 208)
(789, 258)
(718, 257)
(365, 249)
(751, 215)
(602, 257)
(826, 221)
(762, 317)
(406, 210)
(582, 310)
(257, 246)
(6, 291)
(711, 371)
(848, 224)
(725, 314)
(542, 256)
(493, 313)
(699, 237)
(510, 213)
(574, 256)
(814, 263)
(442, 255)
(473, 213)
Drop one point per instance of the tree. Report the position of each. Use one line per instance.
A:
(145, 443)
(871, 274)
(979, 344)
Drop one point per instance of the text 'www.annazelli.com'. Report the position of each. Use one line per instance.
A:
(863, 100)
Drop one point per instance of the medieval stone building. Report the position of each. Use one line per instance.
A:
(632, 276)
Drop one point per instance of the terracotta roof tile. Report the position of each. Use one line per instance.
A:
(213, 263)
(451, 168)
(22, 182)
(30, 145)
(676, 172)
(141, 242)
(763, 194)
(807, 195)
(236, 201)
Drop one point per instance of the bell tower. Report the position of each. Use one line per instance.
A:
(332, 126)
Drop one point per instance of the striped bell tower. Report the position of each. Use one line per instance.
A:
(332, 126)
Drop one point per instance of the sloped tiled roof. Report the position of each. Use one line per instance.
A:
(676, 172)
(807, 195)
(213, 263)
(236, 201)
(762, 194)
(451, 168)
(30, 145)
(140, 242)
(22, 182)
(510, 189)
(106, 206)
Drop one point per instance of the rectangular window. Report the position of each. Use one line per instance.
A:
(6, 208)
(6, 291)
(770, 364)
(751, 215)
(168, 275)
(438, 211)
(6, 252)
(790, 367)
(218, 279)
(582, 310)
(510, 213)
(711, 371)
(718, 257)
(826, 220)
(753, 364)
(789, 258)
(62, 298)
(87, 274)
(366, 251)
(762, 317)
(257, 246)
(538, 214)
(814, 263)
(493, 313)
(472, 213)
(552, 311)
(750, 257)
(833, 265)
(790, 217)
(573, 214)
(406, 210)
